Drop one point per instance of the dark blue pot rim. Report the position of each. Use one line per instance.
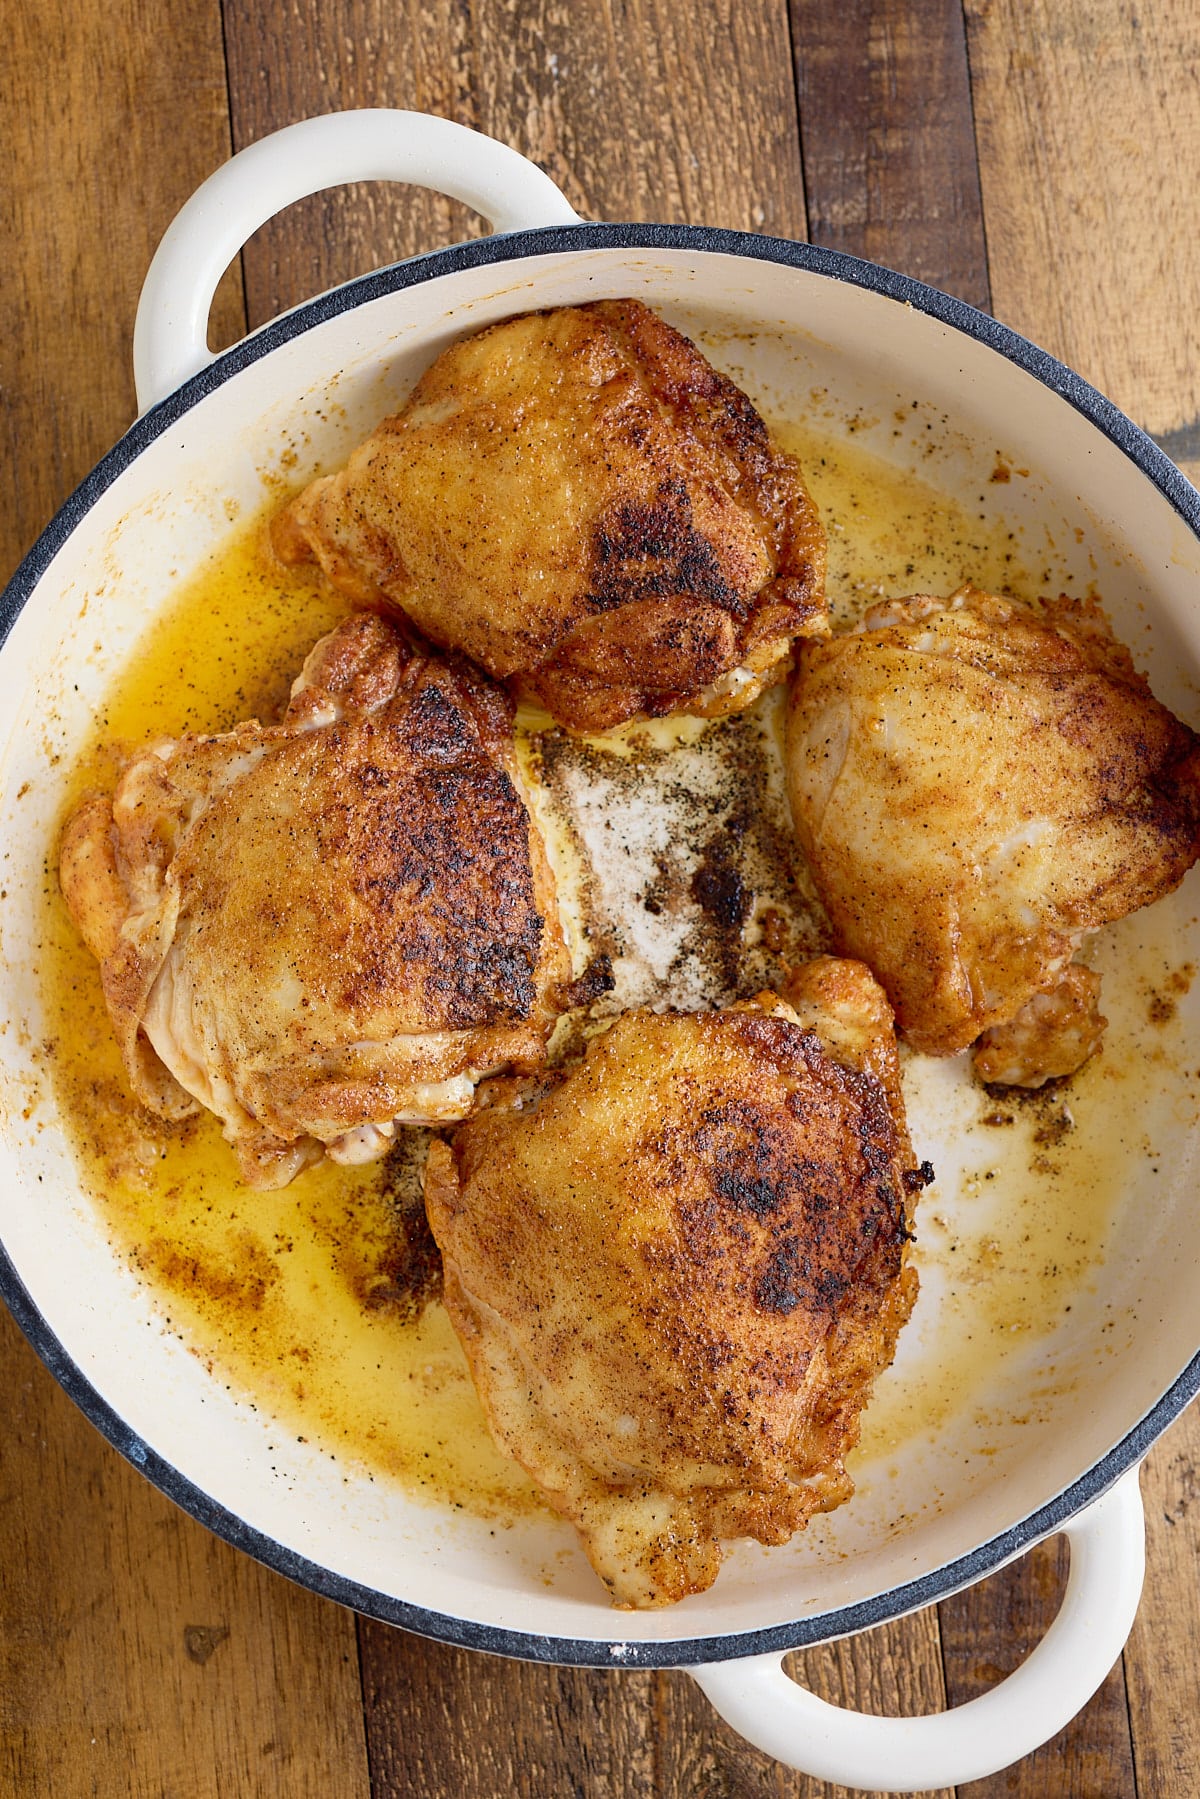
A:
(958, 316)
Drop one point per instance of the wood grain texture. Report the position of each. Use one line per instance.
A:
(1161, 1671)
(445, 1721)
(986, 1633)
(638, 110)
(894, 1671)
(140, 1655)
(1088, 126)
(288, 63)
(890, 170)
(550, 1731)
(91, 180)
(644, 109)
(1088, 121)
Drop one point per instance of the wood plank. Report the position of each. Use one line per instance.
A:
(644, 110)
(1088, 133)
(92, 179)
(285, 66)
(990, 1629)
(447, 1723)
(138, 1653)
(894, 1671)
(1089, 138)
(1160, 1660)
(890, 169)
(621, 1735)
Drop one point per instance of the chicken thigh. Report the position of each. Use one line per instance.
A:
(977, 784)
(325, 927)
(677, 1270)
(581, 503)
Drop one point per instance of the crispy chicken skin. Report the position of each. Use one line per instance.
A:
(677, 1270)
(580, 502)
(323, 927)
(1052, 1035)
(977, 784)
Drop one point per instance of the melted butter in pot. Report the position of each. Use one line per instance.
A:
(309, 1301)
(319, 1304)
(891, 534)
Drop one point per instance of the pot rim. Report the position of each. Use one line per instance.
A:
(834, 265)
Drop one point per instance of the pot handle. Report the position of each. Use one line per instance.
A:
(170, 338)
(949, 1749)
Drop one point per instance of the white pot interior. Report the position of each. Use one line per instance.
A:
(1032, 1421)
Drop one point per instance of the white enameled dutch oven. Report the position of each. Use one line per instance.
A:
(1065, 1435)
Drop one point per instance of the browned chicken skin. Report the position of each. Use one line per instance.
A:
(580, 502)
(977, 784)
(677, 1270)
(323, 927)
(1052, 1035)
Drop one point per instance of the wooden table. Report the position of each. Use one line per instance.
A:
(1038, 159)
